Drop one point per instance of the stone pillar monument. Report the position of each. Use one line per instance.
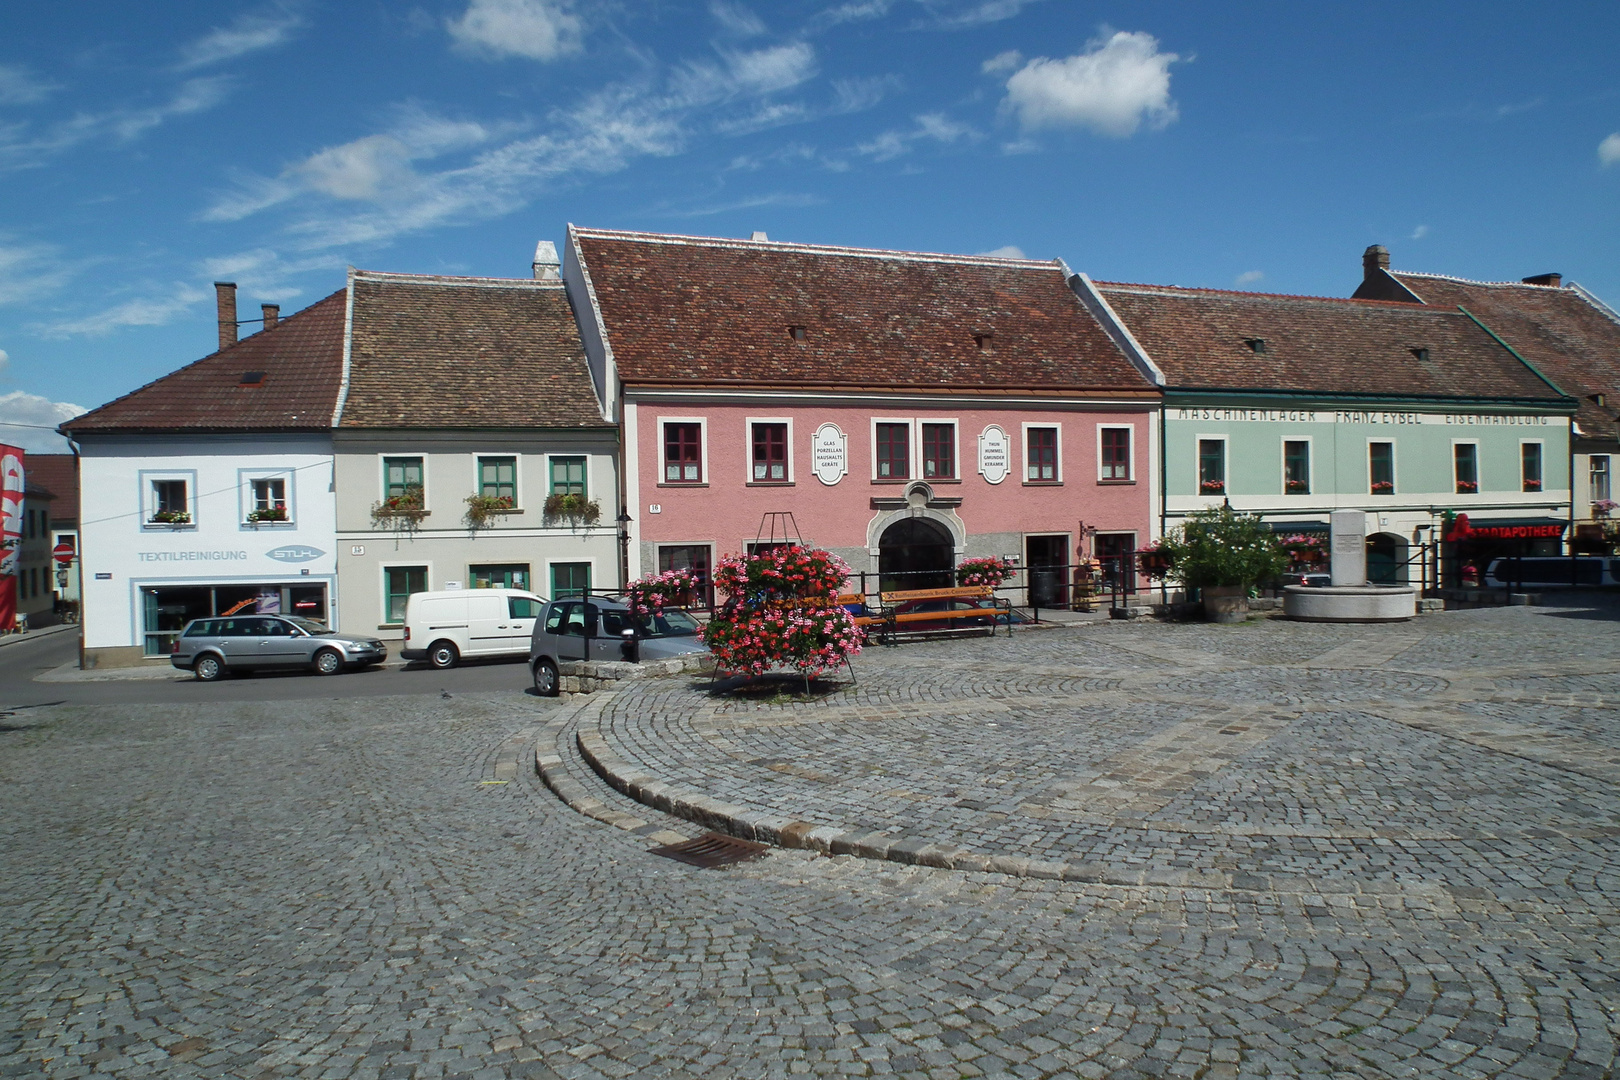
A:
(1348, 529)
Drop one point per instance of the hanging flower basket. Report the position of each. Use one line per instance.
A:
(780, 611)
(987, 571)
(656, 592)
(574, 508)
(1155, 561)
(1303, 549)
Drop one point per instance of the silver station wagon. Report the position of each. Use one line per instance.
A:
(603, 629)
(212, 647)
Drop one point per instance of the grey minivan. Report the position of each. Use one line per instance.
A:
(603, 629)
(211, 647)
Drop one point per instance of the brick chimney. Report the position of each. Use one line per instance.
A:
(225, 300)
(1374, 259)
(1551, 280)
(272, 315)
(547, 267)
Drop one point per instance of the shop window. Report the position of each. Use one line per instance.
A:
(1530, 466)
(1381, 468)
(570, 579)
(497, 479)
(1297, 467)
(893, 451)
(1042, 454)
(693, 558)
(401, 476)
(1114, 451)
(683, 453)
(499, 576)
(939, 451)
(1598, 478)
(1465, 467)
(1212, 466)
(770, 453)
(401, 582)
(568, 476)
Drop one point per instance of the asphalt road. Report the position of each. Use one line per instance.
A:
(22, 662)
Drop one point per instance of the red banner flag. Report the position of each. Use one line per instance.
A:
(11, 530)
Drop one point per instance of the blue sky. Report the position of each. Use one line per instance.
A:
(148, 150)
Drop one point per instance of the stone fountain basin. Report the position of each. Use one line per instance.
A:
(1350, 603)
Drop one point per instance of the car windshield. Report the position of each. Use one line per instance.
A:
(669, 624)
(308, 626)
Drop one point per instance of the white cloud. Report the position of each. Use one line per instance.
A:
(736, 18)
(1110, 88)
(1248, 277)
(954, 15)
(18, 87)
(1002, 61)
(29, 271)
(5, 358)
(29, 421)
(754, 202)
(146, 311)
(248, 33)
(936, 126)
(1009, 251)
(1420, 232)
(116, 126)
(860, 94)
(534, 29)
(1609, 149)
(856, 11)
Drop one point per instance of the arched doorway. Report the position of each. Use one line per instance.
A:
(915, 553)
(1386, 554)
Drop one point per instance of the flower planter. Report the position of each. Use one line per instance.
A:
(1225, 603)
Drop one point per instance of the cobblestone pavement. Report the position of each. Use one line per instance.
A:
(383, 888)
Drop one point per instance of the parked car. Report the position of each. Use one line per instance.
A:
(915, 609)
(212, 647)
(603, 629)
(1553, 571)
(445, 628)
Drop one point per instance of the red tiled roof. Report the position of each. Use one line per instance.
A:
(301, 359)
(1202, 339)
(1569, 338)
(452, 352)
(705, 311)
(59, 475)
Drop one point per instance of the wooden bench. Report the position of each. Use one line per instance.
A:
(869, 616)
(998, 608)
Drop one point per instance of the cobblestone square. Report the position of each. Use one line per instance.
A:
(1157, 850)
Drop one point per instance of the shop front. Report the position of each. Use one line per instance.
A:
(165, 609)
(1469, 547)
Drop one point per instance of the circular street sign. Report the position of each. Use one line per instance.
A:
(63, 553)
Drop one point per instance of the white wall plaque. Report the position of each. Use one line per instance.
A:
(829, 454)
(995, 459)
(655, 508)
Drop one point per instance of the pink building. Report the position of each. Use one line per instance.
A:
(909, 410)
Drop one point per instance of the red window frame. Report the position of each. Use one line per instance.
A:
(770, 454)
(939, 451)
(1116, 453)
(683, 453)
(1042, 443)
(893, 451)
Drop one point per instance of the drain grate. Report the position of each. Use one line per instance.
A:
(711, 850)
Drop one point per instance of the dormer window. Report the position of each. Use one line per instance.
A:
(252, 378)
(797, 333)
(1421, 354)
(985, 341)
(1257, 344)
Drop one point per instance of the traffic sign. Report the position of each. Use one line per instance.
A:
(64, 553)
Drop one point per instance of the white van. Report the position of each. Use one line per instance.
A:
(444, 627)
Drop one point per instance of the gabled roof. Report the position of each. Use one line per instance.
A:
(715, 312)
(59, 475)
(1214, 339)
(1568, 334)
(300, 360)
(457, 352)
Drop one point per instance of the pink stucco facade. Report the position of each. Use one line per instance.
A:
(725, 508)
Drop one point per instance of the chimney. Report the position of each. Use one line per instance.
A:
(272, 315)
(1374, 259)
(1551, 280)
(547, 267)
(759, 237)
(225, 299)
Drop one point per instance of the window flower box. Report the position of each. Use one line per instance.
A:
(1297, 487)
(1467, 487)
(574, 508)
(1212, 487)
(482, 509)
(268, 514)
(1532, 485)
(403, 512)
(170, 517)
(1383, 487)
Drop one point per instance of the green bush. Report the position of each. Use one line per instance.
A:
(1219, 547)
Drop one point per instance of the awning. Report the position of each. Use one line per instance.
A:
(1305, 527)
(1541, 528)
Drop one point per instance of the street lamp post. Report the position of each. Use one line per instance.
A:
(624, 520)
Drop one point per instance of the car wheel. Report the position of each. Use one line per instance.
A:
(545, 678)
(328, 662)
(208, 668)
(442, 654)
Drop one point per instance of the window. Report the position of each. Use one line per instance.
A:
(1465, 467)
(268, 499)
(1381, 468)
(939, 451)
(1042, 447)
(567, 476)
(683, 461)
(693, 558)
(1297, 467)
(499, 576)
(570, 579)
(770, 454)
(893, 451)
(1598, 473)
(497, 478)
(1212, 466)
(401, 582)
(1530, 466)
(521, 607)
(169, 503)
(1115, 453)
(401, 476)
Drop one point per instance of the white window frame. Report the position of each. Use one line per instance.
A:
(1608, 473)
(704, 478)
(1310, 462)
(913, 445)
(148, 496)
(1130, 454)
(382, 478)
(1479, 468)
(1226, 465)
(1394, 464)
(956, 448)
(382, 575)
(244, 486)
(517, 475)
(1023, 455)
(1543, 454)
(748, 450)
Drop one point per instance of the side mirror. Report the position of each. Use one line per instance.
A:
(630, 647)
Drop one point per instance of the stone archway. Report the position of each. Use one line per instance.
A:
(915, 553)
(1386, 558)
